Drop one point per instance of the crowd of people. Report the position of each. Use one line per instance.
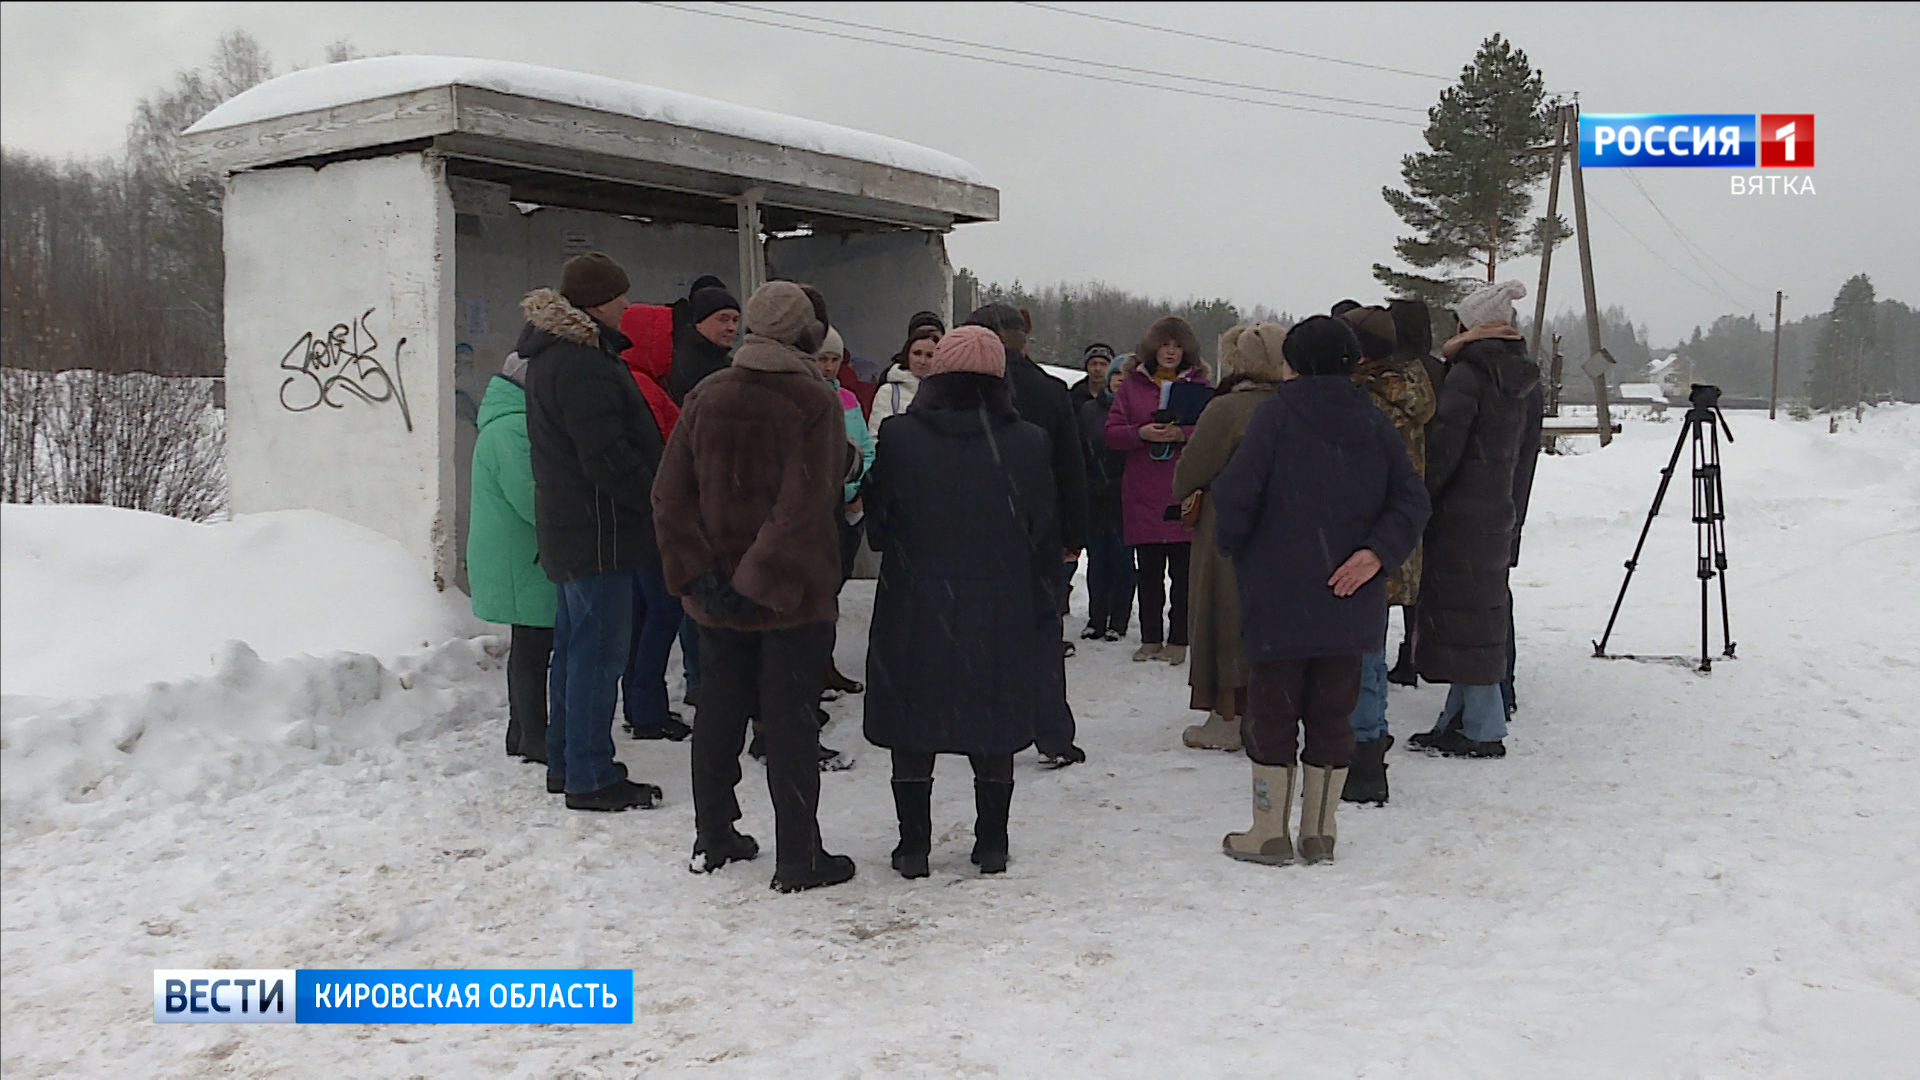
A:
(708, 472)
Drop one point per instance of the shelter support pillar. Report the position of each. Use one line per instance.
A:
(753, 254)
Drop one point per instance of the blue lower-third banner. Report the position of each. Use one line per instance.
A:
(496, 996)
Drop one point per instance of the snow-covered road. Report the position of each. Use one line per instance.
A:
(1669, 875)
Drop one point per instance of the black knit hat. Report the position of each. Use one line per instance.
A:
(704, 281)
(1321, 345)
(589, 280)
(926, 318)
(705, 302)
(1096, 351)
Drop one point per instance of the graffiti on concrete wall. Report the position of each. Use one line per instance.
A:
(343, 363)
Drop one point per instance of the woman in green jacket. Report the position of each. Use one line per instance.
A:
(503, 568)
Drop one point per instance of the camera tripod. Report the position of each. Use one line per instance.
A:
(1704, 423)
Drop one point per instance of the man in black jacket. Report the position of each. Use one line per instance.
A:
(595, 448)
(1042, 400)
(705, 325)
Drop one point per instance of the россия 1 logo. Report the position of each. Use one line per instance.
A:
(1697, 140)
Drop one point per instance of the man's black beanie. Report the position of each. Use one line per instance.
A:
(705, 302)
(1321, 345)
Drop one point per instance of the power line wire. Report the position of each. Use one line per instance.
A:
(1695, 282)
(841, 36)
(1686, 243)
(1103, 64)
(1232, 41)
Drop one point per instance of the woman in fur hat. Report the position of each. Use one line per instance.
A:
(1251, 367)
(1138, 425)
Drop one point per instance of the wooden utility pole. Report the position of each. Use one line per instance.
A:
(1773, 395)
(1553, 380)
(1546, 252)
(1598, 362)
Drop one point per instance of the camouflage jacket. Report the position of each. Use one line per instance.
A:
(1402, 390)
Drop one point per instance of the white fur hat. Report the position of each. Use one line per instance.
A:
(1491, 304)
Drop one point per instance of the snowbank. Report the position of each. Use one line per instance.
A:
(250, 724)
(101, 600)
(1670, 875)
(332, 85)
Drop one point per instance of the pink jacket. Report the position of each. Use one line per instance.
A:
(1146, 488)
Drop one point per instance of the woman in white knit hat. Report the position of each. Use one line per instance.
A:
(1473, 442)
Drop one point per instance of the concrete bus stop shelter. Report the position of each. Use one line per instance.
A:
(384, 217)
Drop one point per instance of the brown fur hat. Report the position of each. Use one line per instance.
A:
(1227, 356)
(1172, 328)
(1374, 327)
(1258, 351)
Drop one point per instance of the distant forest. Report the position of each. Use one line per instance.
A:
(1881, 361)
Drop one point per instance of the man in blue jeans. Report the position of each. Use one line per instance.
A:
(595, 447)
(657, 616)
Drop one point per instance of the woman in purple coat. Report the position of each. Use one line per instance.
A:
(1142, 425)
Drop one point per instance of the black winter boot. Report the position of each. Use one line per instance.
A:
(913, 804)
(622, 794)
(733, 846)
(1402, 672)
(1454, 743)
(1367, 776)
(993, 802)
(823, 870)
(1431, 740)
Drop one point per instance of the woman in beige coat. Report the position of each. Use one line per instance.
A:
(1250, 364)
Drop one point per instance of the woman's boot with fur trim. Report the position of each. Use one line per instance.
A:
(1320, 797)
(1267, 841)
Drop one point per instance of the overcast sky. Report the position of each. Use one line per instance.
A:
(1163, 192)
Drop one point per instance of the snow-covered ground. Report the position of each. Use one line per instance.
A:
(1671, 874)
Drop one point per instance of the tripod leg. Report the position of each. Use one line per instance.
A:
(1703, 536)
(1720, 547)
(1659, 496)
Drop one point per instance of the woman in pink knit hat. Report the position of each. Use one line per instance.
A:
(960, 506)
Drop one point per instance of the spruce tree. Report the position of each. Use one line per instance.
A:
(1844, 359)
(1468, 199)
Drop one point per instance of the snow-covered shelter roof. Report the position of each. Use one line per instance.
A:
(570, 138)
